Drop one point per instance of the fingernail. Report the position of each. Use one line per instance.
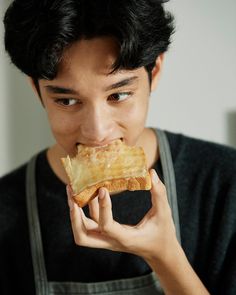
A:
(102, 193)
(68, 190)
(155, 176)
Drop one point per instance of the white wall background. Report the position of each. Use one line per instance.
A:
(196, 95)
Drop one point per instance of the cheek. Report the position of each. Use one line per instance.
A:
(135, 118)
(136, 113)
(65, 132)
(62, 125)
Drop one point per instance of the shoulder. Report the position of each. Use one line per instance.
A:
(12, 192)
(12, 183)
(13, 189)
(13, 178)
(201, 153)
(204, 169)
(206, 187)
(13, 198)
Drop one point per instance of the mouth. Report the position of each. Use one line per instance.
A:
(102, 144)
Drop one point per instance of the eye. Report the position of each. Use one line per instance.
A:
(66, 101)
(119, 96)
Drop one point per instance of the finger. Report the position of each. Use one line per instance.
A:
(77, 216)
(94, 209)
(105, 211)
(85, 230)
(158, 190)
(76, 213)
(70, 200)
(89, 224)
(79, 222)
(154, 190)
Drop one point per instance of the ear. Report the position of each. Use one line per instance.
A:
(31, 81)
(35, 89)
(156, 71)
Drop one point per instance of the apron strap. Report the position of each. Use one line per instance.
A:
(41, 284)
(40, 274)
(169, 177)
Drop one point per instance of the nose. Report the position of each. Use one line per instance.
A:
(97, 126)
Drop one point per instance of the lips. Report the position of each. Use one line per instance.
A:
(100, 144)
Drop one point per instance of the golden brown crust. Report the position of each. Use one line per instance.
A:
(114, 185)
(116, 166)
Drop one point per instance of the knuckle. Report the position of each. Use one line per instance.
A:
(167, 214)
(159, 190)
(163, 189)
(127, 243)
(105, 228)
(105, 204)
(93, 216)
(72, 217)
(79, 240)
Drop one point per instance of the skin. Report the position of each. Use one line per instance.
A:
(95, 117)
(95, 110)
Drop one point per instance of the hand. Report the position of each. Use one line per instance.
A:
(153, 236)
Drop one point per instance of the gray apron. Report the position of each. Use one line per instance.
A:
(148, 284)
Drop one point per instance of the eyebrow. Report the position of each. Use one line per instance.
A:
(60, 90)
(64, 90)
(125, 82)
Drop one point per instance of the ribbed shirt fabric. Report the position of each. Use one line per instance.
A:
(206, 187)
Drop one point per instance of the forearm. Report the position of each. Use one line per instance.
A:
(176, 275)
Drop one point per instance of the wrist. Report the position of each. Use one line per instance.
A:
(171, 255)
(175, 273)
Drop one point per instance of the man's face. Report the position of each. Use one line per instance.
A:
(86, 104)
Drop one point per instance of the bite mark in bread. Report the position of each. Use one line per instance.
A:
(116, 167)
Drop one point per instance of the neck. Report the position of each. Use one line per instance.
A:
(149, 143)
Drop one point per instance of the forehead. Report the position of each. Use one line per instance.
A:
(87, 65)
(95, 55)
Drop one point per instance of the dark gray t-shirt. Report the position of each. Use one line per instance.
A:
(206, 188)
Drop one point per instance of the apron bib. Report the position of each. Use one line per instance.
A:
(148, 284)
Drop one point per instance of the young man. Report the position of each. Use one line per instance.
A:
(93, 65)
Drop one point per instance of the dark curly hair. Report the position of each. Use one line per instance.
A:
(38, 32)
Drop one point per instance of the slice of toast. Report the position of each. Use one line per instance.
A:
(115, 166)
